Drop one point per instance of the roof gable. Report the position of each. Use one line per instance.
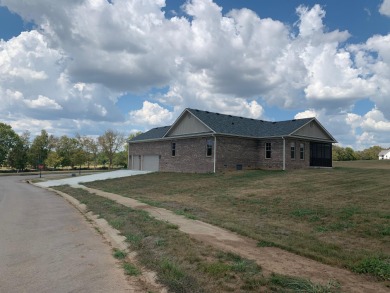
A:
(313, 129)
(187, 124)
(384, 152)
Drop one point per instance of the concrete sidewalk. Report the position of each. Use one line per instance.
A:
(89, 178)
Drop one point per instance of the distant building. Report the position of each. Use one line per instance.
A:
(202, 142)
(384, 155)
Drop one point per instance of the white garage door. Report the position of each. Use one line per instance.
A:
(151, 163)
(136, 163)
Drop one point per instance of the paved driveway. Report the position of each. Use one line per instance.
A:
(88, 178)
(46, 245)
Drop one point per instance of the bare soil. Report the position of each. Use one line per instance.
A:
(271, 259)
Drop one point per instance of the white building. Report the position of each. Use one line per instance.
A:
(384, 155)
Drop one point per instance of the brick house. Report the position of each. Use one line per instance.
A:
(202, 141)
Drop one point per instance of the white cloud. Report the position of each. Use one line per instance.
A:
(42, 103)
(306, 114)
(151, 114)
(34, 82)
(369, 129)
(86, 53)
(385, 8)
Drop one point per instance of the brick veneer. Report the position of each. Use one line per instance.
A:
(231, 153)
(190, 154)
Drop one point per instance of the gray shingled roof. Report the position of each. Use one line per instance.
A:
(234, 125)
(154, 133)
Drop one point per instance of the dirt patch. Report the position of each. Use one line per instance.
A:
(269, 258)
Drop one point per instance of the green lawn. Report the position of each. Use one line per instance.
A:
(183, 264)
(338, 216)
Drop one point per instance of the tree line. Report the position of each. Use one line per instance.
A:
(19, 152)
(348, 154)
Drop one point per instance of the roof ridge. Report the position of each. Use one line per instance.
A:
(241, 117)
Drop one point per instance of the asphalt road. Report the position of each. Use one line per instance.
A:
(46, 245)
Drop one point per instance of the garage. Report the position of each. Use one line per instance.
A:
(146, 163)
(150, 163)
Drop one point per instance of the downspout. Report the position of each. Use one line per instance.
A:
(284, 153)
(215, 153)
(130, 167)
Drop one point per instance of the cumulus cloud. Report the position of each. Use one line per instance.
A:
(385, 8)
(34, 82)
(151, 114)
(42, 102)
(84, 54)
(369, 129)
(306, 114)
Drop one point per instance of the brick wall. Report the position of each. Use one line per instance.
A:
(231, 153)
(190, 154)
(297, 163)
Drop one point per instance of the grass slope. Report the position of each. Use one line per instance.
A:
(338, 216)
(183, 264)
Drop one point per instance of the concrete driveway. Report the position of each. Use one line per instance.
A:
(89, 178)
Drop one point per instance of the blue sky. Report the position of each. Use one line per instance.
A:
(90, 65)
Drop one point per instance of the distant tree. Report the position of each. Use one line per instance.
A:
(18, 156)
(90, 148)
(40, 148)
(53, 160)
(370, 153)
(111, 142)
(66, 148)
(120, 159)
(349, 154)
(93, 150)
(343, 154)
(8, 141)
(337, 153)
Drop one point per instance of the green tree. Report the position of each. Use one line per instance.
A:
(343, 154)
(66, 148)
(120, 159)
(337, 153)
(111, 142)
(8, 140)
(40, 148)
(90, 148)
(18, 156)
(349, 154)
(53, 160)
(370, 153)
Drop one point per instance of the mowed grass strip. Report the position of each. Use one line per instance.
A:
(181, 263)
(337, 216)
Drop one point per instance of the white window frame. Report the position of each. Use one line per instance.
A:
(302, 151)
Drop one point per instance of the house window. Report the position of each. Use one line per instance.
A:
(302, 151)
(292, 150)
(268, 150)
(209, 148)
(173, 149)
